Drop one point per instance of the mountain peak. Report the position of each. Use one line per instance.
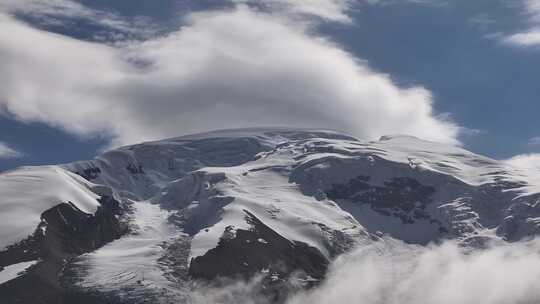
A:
(281, 204)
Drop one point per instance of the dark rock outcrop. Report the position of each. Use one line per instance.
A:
(89, 173)
(402, 197)
(260, 251)
(64, 232)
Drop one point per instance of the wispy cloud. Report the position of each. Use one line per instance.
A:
(533, 8)
(482, 21)
(7, 152)
(529, 37)
(329, 10)
(534, 141)
(438, 3)
(66, 12)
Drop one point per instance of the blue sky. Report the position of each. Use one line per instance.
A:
(127, 71)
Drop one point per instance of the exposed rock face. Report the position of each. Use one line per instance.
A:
(89, 173)
(260, 249)
(65, 232)
(262, 252)
(402, 197)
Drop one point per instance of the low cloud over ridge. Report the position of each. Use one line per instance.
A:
(392, 272)
(395, 273)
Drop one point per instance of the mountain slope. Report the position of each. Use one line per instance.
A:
(275, 204)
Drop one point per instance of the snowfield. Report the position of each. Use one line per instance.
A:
(29, 191)
(13, 271)
(133, 262)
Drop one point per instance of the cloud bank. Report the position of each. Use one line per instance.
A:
(395, 273)
(392, 272)
(228, 68)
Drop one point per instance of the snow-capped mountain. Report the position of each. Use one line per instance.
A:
(147, 223)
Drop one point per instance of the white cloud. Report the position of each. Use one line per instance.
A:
(531, 36)
(527, 166)
(7, 152)
(394, 273)
(526, 161)
(223, 69)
